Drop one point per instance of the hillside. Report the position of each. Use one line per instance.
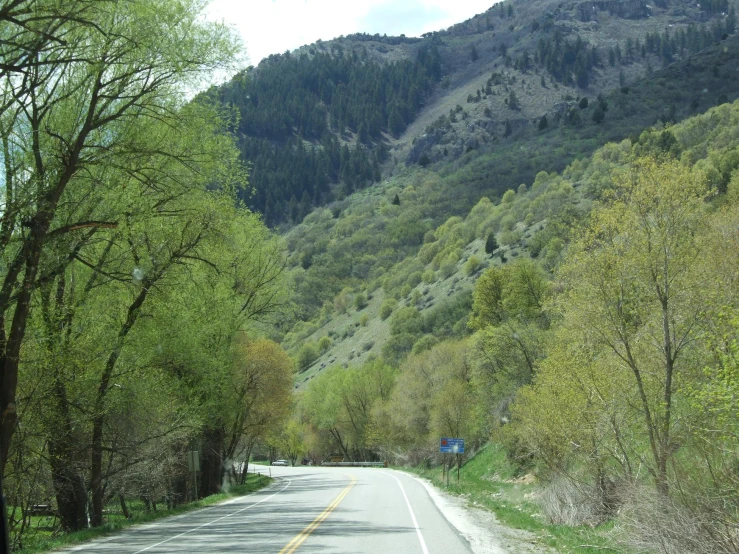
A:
(366, 244)
(332, 118)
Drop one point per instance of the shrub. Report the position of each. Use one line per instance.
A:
(472, 265)
(426, 342)
(360, 301)
(364, 320)
(324, 344)
(406, 320)
(509, 238)
(429, 276)
(414, 278)
(387, 308)
(447, 269)
(306, 356)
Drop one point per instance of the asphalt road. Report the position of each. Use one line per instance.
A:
(326, 510)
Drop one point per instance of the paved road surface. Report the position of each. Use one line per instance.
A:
(318, 510)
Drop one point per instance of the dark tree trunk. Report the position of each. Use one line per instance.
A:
(71, 496)
(124, 508)
(69, 486)
(211, 462)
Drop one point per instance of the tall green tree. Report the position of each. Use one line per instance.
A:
(82, 108)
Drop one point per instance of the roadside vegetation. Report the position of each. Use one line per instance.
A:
(490, 481)
(41, 536)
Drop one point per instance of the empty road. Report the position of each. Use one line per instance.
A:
(326, 510)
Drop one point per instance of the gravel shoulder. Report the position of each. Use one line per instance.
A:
(480, 527)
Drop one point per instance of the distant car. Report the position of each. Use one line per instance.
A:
(280, 463)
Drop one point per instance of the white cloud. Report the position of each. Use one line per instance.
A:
(273, 26)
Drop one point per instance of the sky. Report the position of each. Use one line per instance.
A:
(273, 26)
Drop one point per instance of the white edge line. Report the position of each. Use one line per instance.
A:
(413, 515)
(214, 521)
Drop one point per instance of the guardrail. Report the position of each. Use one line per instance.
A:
(354, 464)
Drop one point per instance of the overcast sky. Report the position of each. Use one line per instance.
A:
(273, 26)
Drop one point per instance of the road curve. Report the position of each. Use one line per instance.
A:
(326, 510)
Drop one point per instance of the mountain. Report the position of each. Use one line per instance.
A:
(332, 118)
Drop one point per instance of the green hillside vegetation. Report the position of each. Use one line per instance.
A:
(368, 242)
(601, 356)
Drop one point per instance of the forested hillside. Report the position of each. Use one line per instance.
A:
(358, 242)
(330, 118)
(298, 111)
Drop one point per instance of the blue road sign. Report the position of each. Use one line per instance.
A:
(451, 446)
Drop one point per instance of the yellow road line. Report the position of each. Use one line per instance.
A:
(300, 538)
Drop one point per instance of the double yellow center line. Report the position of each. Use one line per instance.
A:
(294, 544)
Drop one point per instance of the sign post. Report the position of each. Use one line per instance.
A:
(451, 446)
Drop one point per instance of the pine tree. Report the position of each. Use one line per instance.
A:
(491, 245)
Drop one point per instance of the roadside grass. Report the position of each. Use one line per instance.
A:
(40, 539)
(489, 481)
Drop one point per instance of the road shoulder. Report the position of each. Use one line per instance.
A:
(480, 527)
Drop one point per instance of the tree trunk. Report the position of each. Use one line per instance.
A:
(71, 496)
(211, 462)
(124, 508)
(69, 486)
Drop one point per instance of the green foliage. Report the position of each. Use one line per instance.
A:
(491, 245)
(387, 307)
(406, 320)
(360, 301)
(472, 265)
(306, 356)
(324, 344)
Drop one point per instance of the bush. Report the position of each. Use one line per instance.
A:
(414, 278)
(324, 344)
(447, 269)
(387, 308)
(364, 320)
(472, 265)
(406, 321)
(360, 301)
(429, 276)
(306, 356)
(509, 238)
(567, 502)
(649, 522)
(426, 342)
